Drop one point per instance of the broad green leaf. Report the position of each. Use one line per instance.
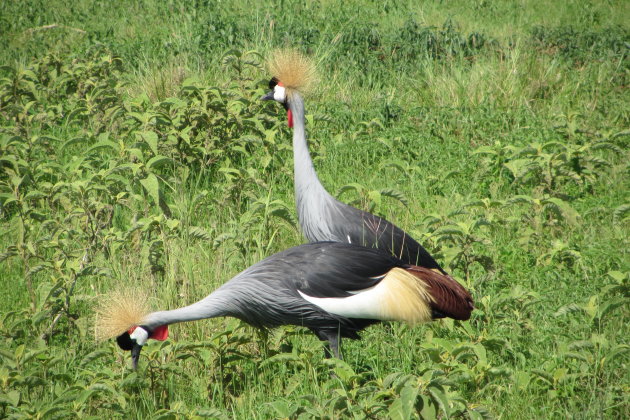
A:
(152, 140)
(199, 233)
(164, 415)
(343, 370)
(519, 167)
(429, 409)
(375, 197)
(103, 144)
(521, 379)
(618, 276)
(543, 374)
(485, 150)
(440, 399)
(391, 379)
(158, 161)
(568, 212)
(11, 398)
(404, 406)
(74, 140)
(283, 408)
(152, 186)
(211, 413)
(95, 355)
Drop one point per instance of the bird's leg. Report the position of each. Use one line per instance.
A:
(332, 342)
(327, 351)
(333, 346)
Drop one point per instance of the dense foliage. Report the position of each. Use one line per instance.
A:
(137, 153)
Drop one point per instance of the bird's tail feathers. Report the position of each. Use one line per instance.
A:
(448, 297)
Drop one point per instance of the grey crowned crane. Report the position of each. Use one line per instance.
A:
(321, 216)
(333, 289)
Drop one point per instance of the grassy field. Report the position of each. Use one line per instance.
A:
(134, 153)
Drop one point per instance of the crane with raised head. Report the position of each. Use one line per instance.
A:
(321, 216)
(334, 289)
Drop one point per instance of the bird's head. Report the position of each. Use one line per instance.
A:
(123, 314)
(137, 336)
(293, 73)
(278, 93)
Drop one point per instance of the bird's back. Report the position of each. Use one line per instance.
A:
(344, 223)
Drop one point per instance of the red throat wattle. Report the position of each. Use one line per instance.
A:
(160, 333)
(290, 118)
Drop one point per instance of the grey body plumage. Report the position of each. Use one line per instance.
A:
(266, 294)
(334, 289)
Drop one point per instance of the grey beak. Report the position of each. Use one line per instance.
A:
(267, 97)
(135, 355)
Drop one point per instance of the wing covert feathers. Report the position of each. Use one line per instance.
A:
(118, 311)
(409, 295)
(399, 296)
(294, 70)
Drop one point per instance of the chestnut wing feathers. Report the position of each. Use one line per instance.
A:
(450, 298)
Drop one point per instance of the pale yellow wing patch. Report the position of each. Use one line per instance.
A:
(407, 298)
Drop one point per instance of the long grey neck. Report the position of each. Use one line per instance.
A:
(215, 305)
(308, 189)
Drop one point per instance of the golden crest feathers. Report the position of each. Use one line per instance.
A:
(294, 70)
(118, 311)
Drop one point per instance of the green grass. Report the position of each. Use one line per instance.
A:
(134, 151)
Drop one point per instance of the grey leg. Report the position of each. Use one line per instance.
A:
(332, 343)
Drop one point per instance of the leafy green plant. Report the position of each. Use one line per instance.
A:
(612, 296)
(463, 242)
(133, 149)
(371, 200)
(551, 164)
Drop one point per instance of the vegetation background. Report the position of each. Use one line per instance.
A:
(134, 152)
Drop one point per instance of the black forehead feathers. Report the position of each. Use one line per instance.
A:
(124, 341)
(273, 82)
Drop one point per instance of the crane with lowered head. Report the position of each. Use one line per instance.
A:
(321, 216)
(334, 289)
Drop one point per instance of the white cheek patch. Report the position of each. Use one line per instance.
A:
(140, 336)
(279, 93)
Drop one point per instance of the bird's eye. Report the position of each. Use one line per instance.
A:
(273, 82)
